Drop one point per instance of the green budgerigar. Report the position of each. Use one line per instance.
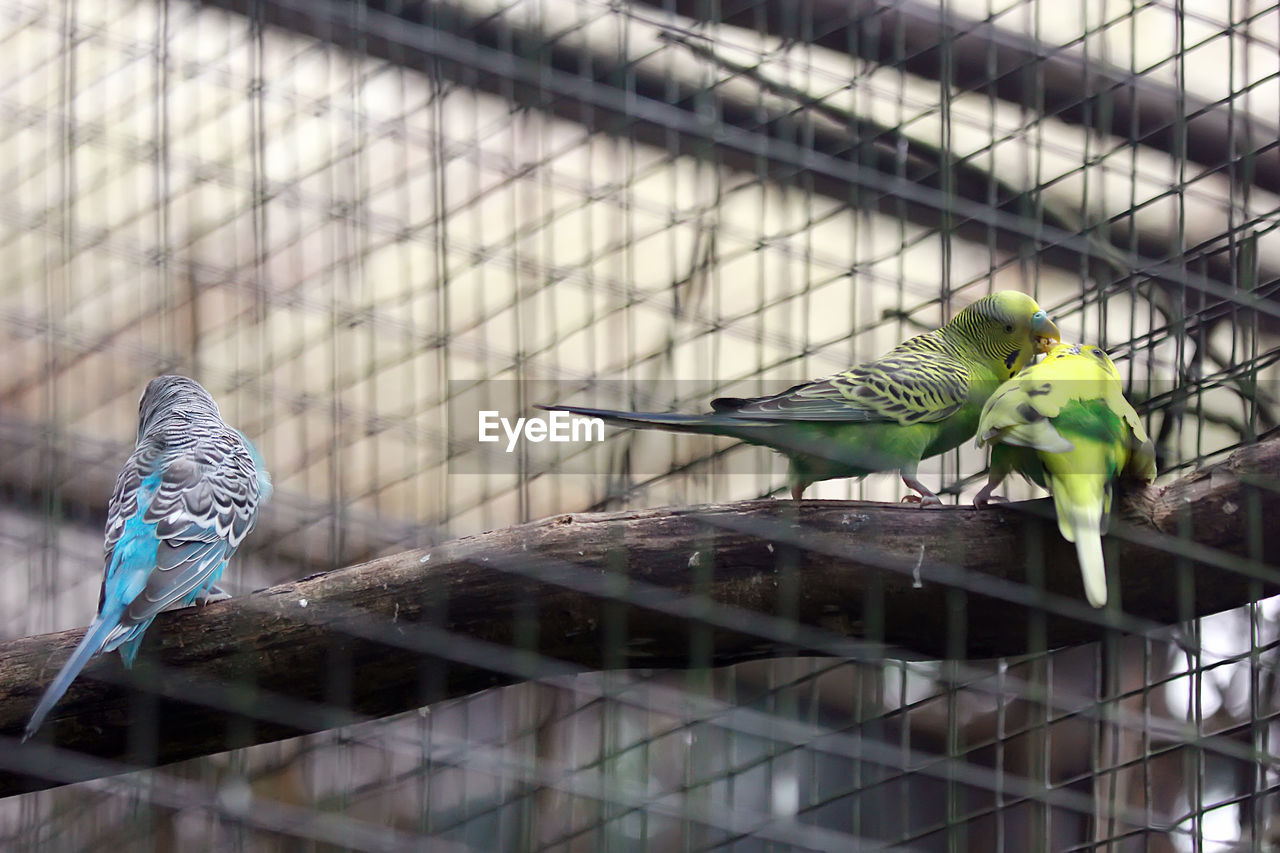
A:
(921, 398)
(1065, 425)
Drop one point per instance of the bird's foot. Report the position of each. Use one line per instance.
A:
(922, 500)
(980, 500)
(212, 594)
(925, 497)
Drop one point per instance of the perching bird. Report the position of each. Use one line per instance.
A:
(1065, 425)
(919, 399)
(185, 500)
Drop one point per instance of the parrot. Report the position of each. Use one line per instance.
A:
(918, 400)
(1065, 425)
(186, 498)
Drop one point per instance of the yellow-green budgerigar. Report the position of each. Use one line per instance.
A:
(1065, 425)
(921, 398)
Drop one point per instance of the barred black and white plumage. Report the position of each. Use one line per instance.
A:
(186, 498)
(917, 400)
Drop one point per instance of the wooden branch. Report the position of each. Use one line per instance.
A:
(686, 587)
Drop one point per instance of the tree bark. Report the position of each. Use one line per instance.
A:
(678, 588)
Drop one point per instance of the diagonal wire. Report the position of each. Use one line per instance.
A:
(588, 91)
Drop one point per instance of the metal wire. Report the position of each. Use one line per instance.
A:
(351, 221)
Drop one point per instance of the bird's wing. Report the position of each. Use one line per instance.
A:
(206, 502)
(1021, 410)
(1141, 464)
(911, 384)
(124, 498)
(123, 507)
(1019, 413)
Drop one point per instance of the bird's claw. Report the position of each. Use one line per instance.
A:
(981, 501)
(211, 595)
(923, 501)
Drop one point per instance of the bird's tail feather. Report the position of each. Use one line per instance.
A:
(716, 424)
(1080, 520)
(1093, 571)
(94, 638)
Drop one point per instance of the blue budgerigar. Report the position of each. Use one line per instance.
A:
(184, 502)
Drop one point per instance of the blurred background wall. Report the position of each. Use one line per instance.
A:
(356, 222)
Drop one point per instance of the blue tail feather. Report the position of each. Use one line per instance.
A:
(90, 645)
(129, 648)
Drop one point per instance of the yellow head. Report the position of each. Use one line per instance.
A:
(1065, 350)
(1005, 330)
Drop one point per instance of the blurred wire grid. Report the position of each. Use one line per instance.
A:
(338, 215)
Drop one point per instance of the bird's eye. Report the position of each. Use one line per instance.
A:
(1008, 327)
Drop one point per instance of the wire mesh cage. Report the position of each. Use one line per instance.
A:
(363, 225)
